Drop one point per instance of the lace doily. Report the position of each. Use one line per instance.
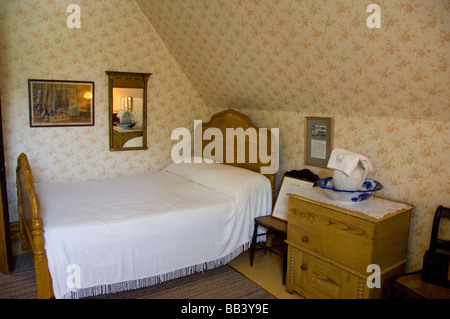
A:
(374, 207)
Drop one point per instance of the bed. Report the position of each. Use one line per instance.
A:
(96, 237)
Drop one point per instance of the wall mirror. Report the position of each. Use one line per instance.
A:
(127, 97)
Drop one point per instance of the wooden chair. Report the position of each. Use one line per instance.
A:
(433, 280)
(277, 227)
(411, 286)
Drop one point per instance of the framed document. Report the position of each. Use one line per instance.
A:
(318, 140)
(288, 185)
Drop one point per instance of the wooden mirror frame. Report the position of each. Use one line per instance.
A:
(132, 81)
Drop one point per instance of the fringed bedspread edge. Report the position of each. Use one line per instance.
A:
(154, 280)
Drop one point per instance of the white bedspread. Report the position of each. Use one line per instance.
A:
(135, 231)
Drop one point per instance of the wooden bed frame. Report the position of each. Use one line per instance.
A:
(31, 227)
(31, 224)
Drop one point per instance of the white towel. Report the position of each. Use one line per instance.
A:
(125, 117)
(347, 161)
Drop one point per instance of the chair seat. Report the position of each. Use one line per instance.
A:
(272, 223)
(433, 280)
(412, 286)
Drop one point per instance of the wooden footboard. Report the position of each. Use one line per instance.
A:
(31, 226)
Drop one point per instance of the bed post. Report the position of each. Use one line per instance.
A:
(23, 240)
(31, 227)
(43, 279)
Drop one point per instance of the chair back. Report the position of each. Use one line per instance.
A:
(435, 242)
(436, 261)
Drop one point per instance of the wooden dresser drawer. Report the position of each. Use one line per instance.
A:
(332, 234)
(320, 279)
(306, 239)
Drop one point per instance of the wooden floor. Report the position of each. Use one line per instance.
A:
(267, 272)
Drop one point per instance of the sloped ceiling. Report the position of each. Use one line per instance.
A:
(312, 56)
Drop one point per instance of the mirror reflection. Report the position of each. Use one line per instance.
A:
(128, 115)
(127, 110)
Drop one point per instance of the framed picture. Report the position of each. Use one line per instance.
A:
(318, 140)
(130, 103)
(288, 185)
(122, 103)
(61, 103)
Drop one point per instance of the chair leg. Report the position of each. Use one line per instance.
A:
(253, 245)
(284, 263)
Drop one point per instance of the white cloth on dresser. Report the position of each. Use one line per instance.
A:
(375, 207)
(347, 161)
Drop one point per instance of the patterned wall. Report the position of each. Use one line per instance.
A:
(276, 60)
(387, 89)
(312, 56)
(115, 35)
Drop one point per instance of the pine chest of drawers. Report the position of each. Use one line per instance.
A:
(330, 249)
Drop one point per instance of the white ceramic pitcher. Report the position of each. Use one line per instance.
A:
(352, 182)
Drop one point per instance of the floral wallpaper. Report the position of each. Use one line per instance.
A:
(115, 35)
(312, 56)
(277, 61)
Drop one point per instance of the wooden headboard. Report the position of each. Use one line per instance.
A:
(233, 119)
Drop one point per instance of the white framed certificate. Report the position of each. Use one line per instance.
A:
(288, 185)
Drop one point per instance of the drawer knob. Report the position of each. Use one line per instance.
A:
(303, 267)
(305, 239)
